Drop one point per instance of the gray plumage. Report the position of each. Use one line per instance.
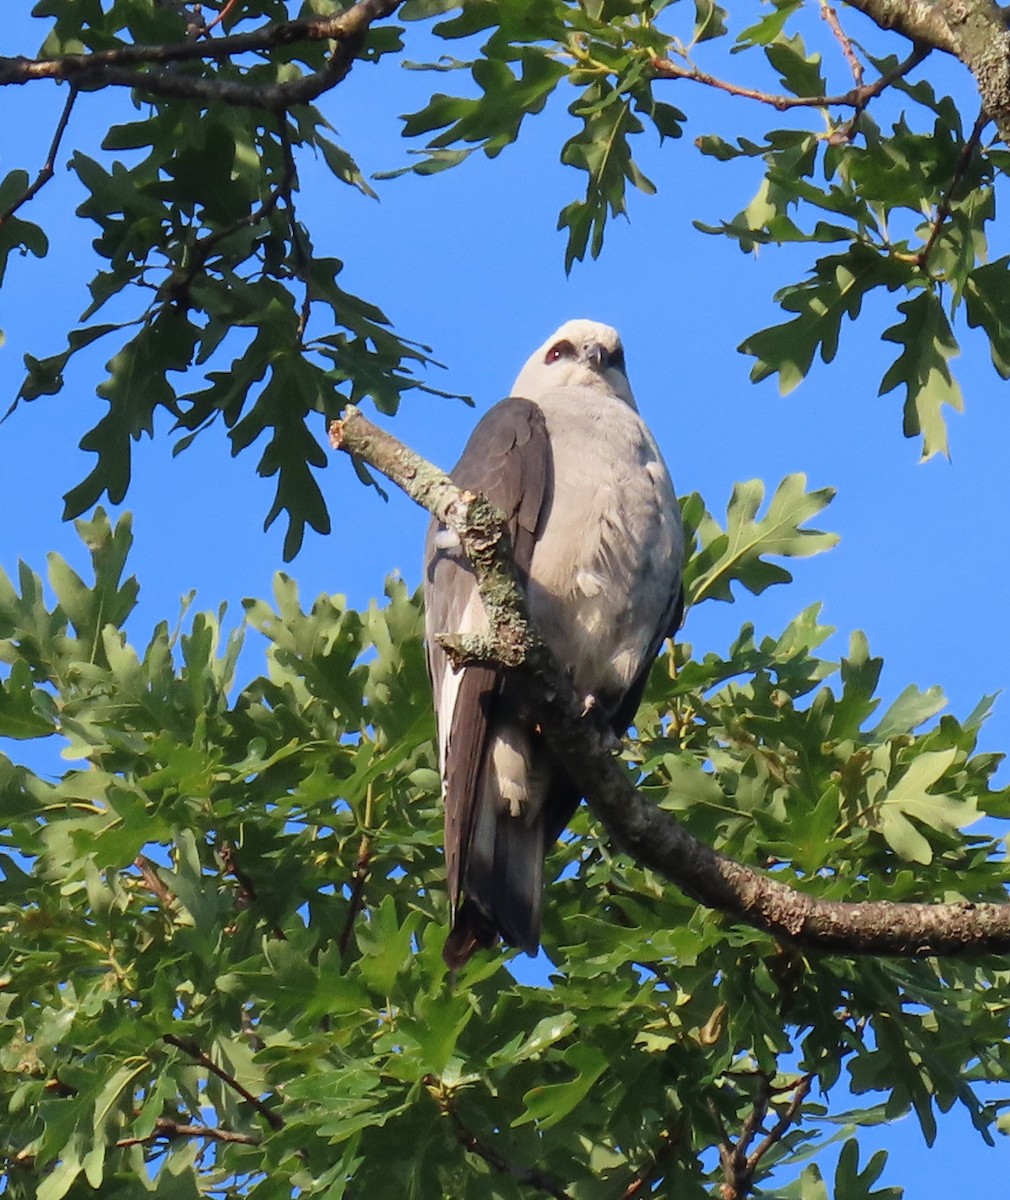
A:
(598, 542)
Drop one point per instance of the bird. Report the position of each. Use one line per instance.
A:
(598, 544)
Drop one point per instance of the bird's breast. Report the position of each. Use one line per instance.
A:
(608, 556)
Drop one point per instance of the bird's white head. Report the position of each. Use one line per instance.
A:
(579, 354)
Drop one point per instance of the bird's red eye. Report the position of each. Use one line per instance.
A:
(563, 349)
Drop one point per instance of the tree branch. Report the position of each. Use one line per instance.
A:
(855, 66)
(273, 1119)
(982, 43)
(533, 1176)
(944, 208)
(919, 20)
(739, 1167)
(641, 1183)
(362, 869)
(167, 1129)
(781, 1126)
(654, 837)
(975, 31)
(857, 98)
(48, 168)
(115, 68)
(153, 881)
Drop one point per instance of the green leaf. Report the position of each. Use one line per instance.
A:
(911, 709)
(551, 1103)
(25, 710)
(837, 289)
(927, 344)
(111, 599)
(385, 944)
(16, 233)
(600, 149)
(987, 300)
(909, 805)
(768, 29)
(709, 21)
(738, 553)
(136, 387)
(853, 1184)
(45, 376)
(800, 72)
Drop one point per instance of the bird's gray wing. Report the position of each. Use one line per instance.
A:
(667, 628)
(507, 460)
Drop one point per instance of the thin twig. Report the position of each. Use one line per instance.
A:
(755, 1118)
(857, 98)
(646, 1174)
(531, 1175)
(48, 168)
(220, 17)
(739, 1167)
(273, 1119)
(169, 1130)
(782, 1124)
(246, 895)
(831, 16)
(153, 881)
(944, 208)
(301, 252)
(847, 132)
(362, 870)
(470, 1141)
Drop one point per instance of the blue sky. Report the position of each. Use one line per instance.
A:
(470, 263)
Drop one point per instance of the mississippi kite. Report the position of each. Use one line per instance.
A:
(597, 537)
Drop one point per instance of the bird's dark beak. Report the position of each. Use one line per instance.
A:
(596, 355)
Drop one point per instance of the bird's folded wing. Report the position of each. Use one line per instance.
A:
(508, 461)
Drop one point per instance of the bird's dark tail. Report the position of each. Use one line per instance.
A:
(503, 887)
(471, 931)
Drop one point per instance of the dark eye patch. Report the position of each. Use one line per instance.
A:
(562, 349)
(616, 358)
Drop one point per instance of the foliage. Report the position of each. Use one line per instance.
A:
(218, 312)
(223, 910)
(223, 915)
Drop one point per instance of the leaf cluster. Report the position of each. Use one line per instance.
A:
(208, 283)
(218, 311)
(223, 913)
(905, 208)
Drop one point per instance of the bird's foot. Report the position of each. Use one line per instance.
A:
(591, 708)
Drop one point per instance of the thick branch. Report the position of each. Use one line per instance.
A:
(975, 31)
(117, 67)
(653, 837)
(983, 45)
(920, 20)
